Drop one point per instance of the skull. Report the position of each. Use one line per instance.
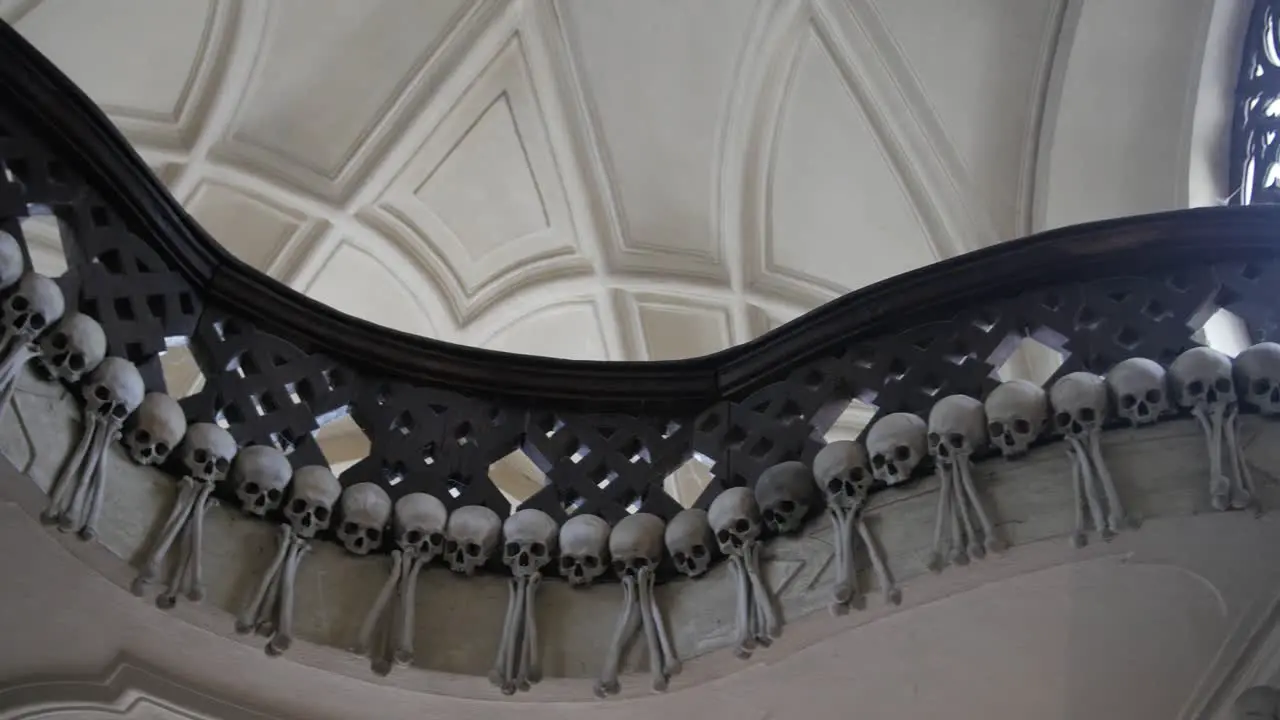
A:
(419, 521)
(1257, 372)
(366, 509)
(34, 305)
(735, 518)
(261, 474)
(1079, 402)
(584, 548)
(1017, 412)
(957, 428)
(470, 537)
(1202, 379)
(529, 541)
(155, 429)
(897, 444)
(784, 493)
(207, 452)
(840, 470)
(311, 499)
(75, 347)
(115, 389)
(689, 541)
(636, 543)
(11, 262)
(1139, 388)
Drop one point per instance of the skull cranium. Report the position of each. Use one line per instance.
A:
(690, 541)
(1138, 385)
(75, 347)
(207, 452)
(636, 543)
(471, 536)
(366, 510)
(785, 493)
(261, 474)
(36, 303)
(735, 519)
(11, 262)
(1257, 375)
(420, 521)
(115, 389)
(584, 548)
(1017, 412)
(155, 429)
(529, 541)
(897, 443)
(841, 473)
(1202, 379)
(1080, 403)
(957, 428)
(311, 498)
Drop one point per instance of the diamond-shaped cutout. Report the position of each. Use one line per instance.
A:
(343, 444)
(847, 422)
(517, 477)
(687, 482)
(1225, 332)
(1034, 358)
(182, 375)
(46, 238)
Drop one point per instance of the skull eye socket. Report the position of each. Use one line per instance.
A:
(221, 464)
(37, 322)
(413, 537)
(162, 448)
(119, 412)
(590, 561)
(273, 495)
(934, 439)
(373, 534)
(1222, 385)
(1261, 387)
(877, 461)
(76, 362)
(857, 474)
(786, 506)
(19, 303)
(1022, 427)
(298, 506)
(142, 436)
(1195, 387)
(473, 550)
(1128, 400)
(679, 557)
(996, 428)
(834, 486)
(512, 549)
(956, 440)
(322, 513)
(1154, 396)
(350, 528)
(252, 488)
(1063, 419)
(102, 393)
(902, 453)
(59, 341)
(435, 538)
(566, 562)
(450, 546)
(1086, 414)
(741, 525)
(538, 549)
(200, 455)
(698, 551)
(723, 536)
(619, 566)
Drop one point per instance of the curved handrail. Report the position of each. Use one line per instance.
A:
(77, 128)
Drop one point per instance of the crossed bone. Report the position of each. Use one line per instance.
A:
(186, 518)
(639, 608)
(393, 623)
(270, 608)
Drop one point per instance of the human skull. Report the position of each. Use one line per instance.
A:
(841, 473)
(420, 520)
(735, 518)
(75, 347)
(366, 509)
(584, 549)
(957, 428)
(114, 390)
(529, 539)
(35, 304)
(207, 452)
(689, 541)
(261, 474)
(1202, 378)
(897, 443)
(1138, 385)
(311, 498)
(1080, 404)
(785, 493)
(155, 429)
(11, 262)
(1017, 412)
(1257, 375)
(470, 537)
(636, 543)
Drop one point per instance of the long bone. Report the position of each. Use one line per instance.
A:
(628, 622)
(891, 592)
(498, 675)
(283, 636)
(1242, 479)
(769, 624)
(89, 483)
(65, 486)
(188, 493)
(364, 641)
(530, 662)
(253, 610)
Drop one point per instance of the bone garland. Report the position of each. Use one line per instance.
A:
(34, 305)
(391, 617)
(270, 609)
(188, 577)
(1202, 382)
(957, 429)
(1081, 406)
(530, 538)
(189, 491)
(735, 518)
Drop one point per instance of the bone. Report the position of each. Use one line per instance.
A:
(89, 530)
(1116, 517)
(283, 636)
(742, 612)
(670, 661)
(961, 504)
(1090, 493)
(644, 582)
(247, 620)
(512, 646)
(992, 542)
(1219, 485)
(187, 495)
(497, 676)
(74, 518)
(761, 596)
(65, 486)
(1244, 492)
(1079, 538)
(364, 641)
(959, 517)
(269, 612)
(608, 682)
(941, 520)
(10, 369)
(531, 670)
(892, 594)
(408, 601)
(195, 579)
(844, 588)
(169, 598)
